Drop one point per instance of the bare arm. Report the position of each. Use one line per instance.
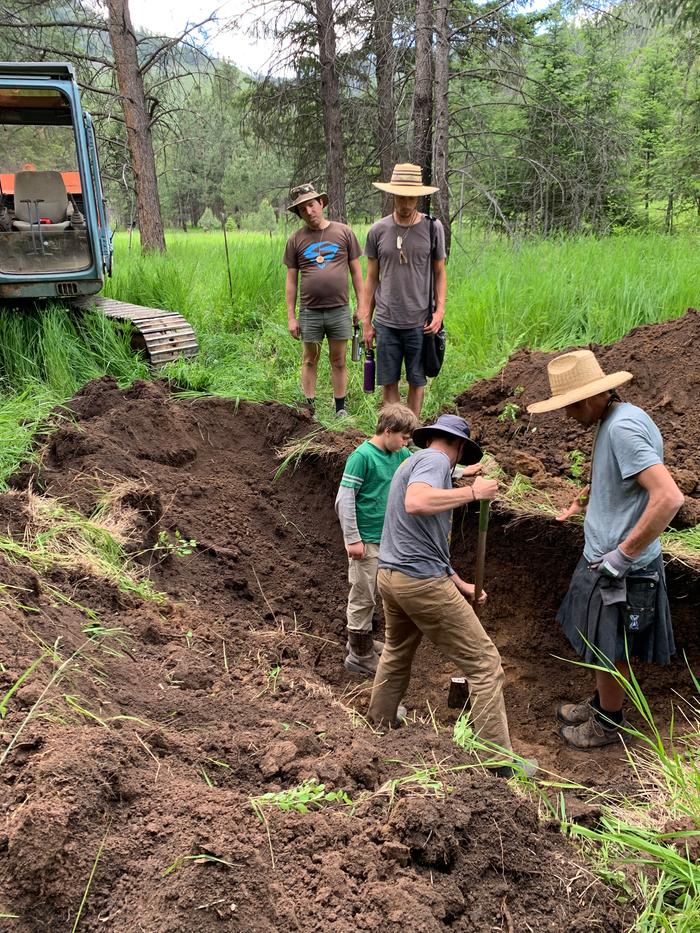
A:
(366, 307)
(290, 295)
(665, 498)
(440, 286)
(357, 283)
(424, 499)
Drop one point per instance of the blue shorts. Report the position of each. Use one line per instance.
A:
(394, 345)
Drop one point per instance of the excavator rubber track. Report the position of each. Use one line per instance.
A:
(162, 335)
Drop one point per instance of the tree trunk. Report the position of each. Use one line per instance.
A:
(386, 116)
(442, 76)
(138, 129)
(421, 150)
(330, 101)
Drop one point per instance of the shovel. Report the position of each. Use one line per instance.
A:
(481, 549)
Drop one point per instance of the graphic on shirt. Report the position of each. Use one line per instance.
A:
(321, 252)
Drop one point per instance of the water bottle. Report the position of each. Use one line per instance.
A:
(356, 354)
(369, 370)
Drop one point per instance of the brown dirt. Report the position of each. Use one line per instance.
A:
(156, 736)
(666, 384)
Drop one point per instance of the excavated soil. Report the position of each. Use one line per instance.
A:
(136, 752)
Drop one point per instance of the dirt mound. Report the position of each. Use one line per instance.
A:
(666, 384)
(143, 727)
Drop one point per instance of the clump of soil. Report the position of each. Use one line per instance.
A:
(144, 730)
(544, 447)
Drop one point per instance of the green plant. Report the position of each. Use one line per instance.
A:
(90, 879)
(509, 412)
(180, 547)
(577, 460)
(310, 795)
(18, 683)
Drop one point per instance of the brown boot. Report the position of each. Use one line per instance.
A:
(573, 714)
(592, 734)
(361, 658)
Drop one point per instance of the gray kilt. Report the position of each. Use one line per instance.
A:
(584, 617)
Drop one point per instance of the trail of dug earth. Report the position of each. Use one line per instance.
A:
(146, 727)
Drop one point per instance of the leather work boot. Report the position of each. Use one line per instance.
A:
(573, 714)
(377, 646)
(591, 734)
(361, 657)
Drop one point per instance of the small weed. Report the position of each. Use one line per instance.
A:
(272, 676)
(576, 461)
(180, 547)
(18, 683)
(207, 780)
(509, 412)
(90, 879)
(518, 391)
(301, 799)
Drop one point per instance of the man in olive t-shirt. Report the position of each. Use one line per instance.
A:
(320, 254)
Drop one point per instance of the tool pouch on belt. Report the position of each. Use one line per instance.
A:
(639, 609)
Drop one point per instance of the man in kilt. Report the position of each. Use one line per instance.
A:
(616, 607)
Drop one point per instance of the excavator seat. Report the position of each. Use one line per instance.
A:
(40, 196)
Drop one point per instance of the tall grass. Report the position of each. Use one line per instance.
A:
(545, 294)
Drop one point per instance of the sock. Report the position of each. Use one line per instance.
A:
(311, 401)
(340, 403)
(605, 716)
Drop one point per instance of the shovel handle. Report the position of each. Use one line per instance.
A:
(484, 506)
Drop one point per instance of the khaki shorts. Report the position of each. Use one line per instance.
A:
(333, 323)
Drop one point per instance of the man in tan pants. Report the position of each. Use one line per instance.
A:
(423, 595)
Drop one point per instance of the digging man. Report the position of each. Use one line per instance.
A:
(320, 254)
(423, 595)
(616, 606)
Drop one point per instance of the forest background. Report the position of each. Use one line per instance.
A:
(577, 118)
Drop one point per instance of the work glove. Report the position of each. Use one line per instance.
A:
(614, 564)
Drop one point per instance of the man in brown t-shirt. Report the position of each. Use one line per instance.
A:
(320, 254)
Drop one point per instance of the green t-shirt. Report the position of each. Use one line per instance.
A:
(369, 472)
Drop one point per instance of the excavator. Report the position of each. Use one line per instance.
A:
(55, 238)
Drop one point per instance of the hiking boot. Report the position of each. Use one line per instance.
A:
(573, 714)
(377, 646)
(521, 767)
(361, 657)
(592, 734)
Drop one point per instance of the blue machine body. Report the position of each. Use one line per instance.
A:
(55, 239)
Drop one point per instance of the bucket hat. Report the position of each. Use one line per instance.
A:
(406, 179)
(457, 427)
(575, 376)
(304, 193)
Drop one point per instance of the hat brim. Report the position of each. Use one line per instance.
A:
(318, 196)
(406, 191)
(578, 395)
(471, 452)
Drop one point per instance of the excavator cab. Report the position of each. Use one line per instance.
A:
(55, 239)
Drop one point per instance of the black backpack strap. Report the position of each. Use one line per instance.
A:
(431, 295)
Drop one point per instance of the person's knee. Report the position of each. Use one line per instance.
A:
(338, 364)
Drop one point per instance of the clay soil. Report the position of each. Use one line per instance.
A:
(146, 748)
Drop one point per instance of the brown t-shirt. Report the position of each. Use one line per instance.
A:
(322, 257)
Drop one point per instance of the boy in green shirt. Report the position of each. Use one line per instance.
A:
(360, 504)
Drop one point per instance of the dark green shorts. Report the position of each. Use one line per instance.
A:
(333, 323)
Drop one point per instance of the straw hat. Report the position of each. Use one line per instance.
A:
(304, 193)
(575, 376)
(406, 179)
(455, 426)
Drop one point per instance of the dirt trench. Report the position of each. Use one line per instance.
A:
(148, 747)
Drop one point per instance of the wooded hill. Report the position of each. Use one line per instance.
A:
(573, 118)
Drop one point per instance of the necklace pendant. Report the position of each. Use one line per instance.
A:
(403, 261)
(320, 260)
(399, 242)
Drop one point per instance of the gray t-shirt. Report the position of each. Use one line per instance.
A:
(417, 545)
(402, 296)
(628, 442)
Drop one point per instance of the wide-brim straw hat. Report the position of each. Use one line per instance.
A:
(575, 376)
(458, 427)
(304, 193)
(406, 179)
